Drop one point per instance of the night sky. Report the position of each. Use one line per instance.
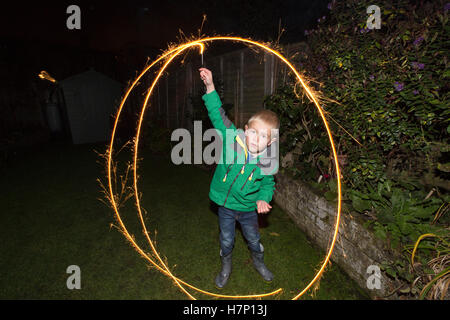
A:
(119, 38)
(113, 26)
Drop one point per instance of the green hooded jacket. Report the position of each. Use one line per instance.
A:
(239, 182)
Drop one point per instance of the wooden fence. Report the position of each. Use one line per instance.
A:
(243, 78)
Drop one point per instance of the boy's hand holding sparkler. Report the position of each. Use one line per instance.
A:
(207, 78)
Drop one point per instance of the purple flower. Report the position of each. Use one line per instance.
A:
(418, 41)
(447, 6)
(417, 65)
(306, 32)
(398, 86)
(330, 6)
(364, 30)
(320, 68)
(415, 92)
(372, 77)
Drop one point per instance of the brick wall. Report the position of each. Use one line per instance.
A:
(356, 247)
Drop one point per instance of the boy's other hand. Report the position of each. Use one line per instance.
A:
(263, 207)
(207, 78)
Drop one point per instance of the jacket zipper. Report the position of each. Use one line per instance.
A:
(249, 178)
(228, 170)
(242, 171)
(230, 188)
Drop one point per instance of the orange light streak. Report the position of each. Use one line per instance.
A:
(44, 75)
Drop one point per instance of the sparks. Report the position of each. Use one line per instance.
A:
(168, 57)
(45, 76)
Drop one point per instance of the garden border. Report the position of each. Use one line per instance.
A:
(356, 247)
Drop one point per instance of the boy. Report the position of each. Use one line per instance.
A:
(243, 182)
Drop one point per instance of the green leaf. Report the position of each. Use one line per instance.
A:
(445, 167)
(406, 290)
(359, 204)
(404, 225)
(391, 272)
(385, 216)
(330, 195)
(434, 101)
(423, 212)
(380, 233)
(446, 73)
(397, 199)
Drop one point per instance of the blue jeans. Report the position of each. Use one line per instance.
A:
(249, 225)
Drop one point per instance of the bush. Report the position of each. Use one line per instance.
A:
(390, 87)
(385, 95)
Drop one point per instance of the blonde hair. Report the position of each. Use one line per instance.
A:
(268, 117)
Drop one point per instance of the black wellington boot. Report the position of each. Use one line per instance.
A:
(258, 263)
(224, 274)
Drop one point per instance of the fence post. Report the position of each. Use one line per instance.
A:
(159, 103)
(269, 77)
(236, 99)
(189, 89)
(221, 67)
(241, 89)
(167, 102)
(176, 100)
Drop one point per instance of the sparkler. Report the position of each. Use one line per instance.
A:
(44, 75)
(168, 57)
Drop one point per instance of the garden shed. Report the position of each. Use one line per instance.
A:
(91, 99)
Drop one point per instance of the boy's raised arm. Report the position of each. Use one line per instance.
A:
(213, 104)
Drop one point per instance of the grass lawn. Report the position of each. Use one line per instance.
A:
(51, 218)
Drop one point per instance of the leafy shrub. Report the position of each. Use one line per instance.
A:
(386, 95)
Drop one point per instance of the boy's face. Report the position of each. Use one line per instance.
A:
(257, 136)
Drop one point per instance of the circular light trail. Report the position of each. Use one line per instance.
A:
(168, 57)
